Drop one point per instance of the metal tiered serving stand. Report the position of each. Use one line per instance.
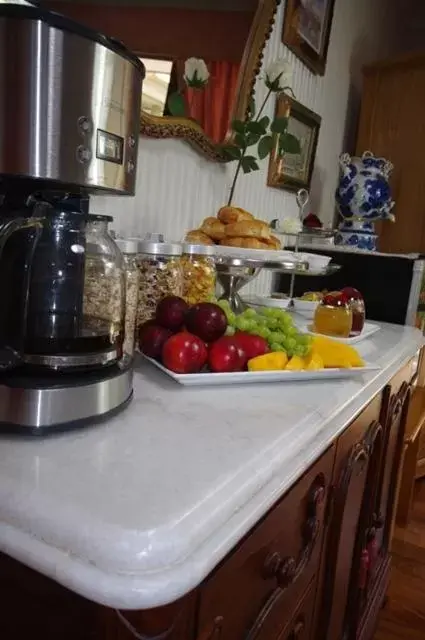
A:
(235, 272)
(315, 234)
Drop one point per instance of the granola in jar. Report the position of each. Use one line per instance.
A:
(160, 274)
(129, 249)
(199, 273)
(104, 284)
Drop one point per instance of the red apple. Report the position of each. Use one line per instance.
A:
(206, 320)
(252, 345)
(171, 312)
(152, 338)
(184, 353)
(352, 294)
(226, 355)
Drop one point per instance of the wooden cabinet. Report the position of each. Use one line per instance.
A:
(300, 627)
(365, 485)
(392, 125)
(257, 588)
(357, 465)
(315, 567)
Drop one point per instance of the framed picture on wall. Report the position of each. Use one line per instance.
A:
(294, 171)
(306, 31)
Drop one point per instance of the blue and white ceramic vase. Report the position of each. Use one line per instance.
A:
(363, 195)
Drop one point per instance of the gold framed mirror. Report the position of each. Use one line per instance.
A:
(229, 35)
(189, 129)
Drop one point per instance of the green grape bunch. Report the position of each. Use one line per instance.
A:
(274, 325)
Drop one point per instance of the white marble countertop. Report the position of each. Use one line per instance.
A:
(135, 512)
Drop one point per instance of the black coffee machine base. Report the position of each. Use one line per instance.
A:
(38, 406)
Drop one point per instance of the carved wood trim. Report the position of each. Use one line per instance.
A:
(287, 570)
(356, 464)
(188, 129)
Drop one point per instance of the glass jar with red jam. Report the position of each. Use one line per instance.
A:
(357, 306)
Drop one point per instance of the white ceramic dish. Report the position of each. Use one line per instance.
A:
(266, 301)
(247, 377)
(315, 262)
(368, 330)
(256, 254)
(306, 308)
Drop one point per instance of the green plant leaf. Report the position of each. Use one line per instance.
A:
(232, 151)
(238, 126)
(240, 140)
(252, 138)
(255, 127)
(289, 144)
(264, 121)
(265, 146)
(176, 104)
(279, 125)
(249, 163)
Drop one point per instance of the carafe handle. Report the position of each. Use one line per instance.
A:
(10, 356)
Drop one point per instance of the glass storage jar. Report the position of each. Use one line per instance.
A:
(357, 306)
(199, 273)
(104, 281)
(160, 274)
(129, 250)
(333, 317)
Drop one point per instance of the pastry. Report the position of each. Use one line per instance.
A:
(244, 243)
(248, 229)
(273, 243)
(196, 236)
(228, 215)
(213, 228)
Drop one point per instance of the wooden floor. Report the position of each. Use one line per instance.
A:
(403, 617)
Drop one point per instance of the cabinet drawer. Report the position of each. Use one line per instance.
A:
(301, 625)
(254, 592)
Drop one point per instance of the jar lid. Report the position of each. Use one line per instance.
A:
(97, 217)
(153, 244)
(199, 249)
(127, 246)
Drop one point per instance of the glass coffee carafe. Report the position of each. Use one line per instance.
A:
(62, 287)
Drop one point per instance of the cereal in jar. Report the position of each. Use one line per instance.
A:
(160, 274)
(199, 273)
(129, 250)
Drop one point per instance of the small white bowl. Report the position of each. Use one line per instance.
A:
(266, 301)
(306, 308)
(316, 262)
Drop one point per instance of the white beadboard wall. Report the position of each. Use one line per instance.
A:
(177, 188)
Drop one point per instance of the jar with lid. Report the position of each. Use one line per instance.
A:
(357, 306)
(333, 316)
(129, 249)
(160, 274)
(199, 273)
(104, 282)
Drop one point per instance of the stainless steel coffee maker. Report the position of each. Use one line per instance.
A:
(69, 120)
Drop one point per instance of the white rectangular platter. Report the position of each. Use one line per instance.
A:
(368, 330)
(246, 377)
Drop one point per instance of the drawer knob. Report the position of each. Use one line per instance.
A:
(287, 572)
(287, 569)
(298, 629)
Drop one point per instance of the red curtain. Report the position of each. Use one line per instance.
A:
(212, 106)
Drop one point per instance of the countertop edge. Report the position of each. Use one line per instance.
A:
(156, 588)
